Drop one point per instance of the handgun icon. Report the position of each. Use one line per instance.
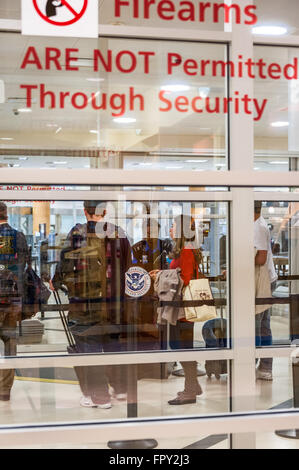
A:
(51, 7)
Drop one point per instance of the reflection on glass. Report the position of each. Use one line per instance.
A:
(117, 276)
(276, 137)
(129, 104)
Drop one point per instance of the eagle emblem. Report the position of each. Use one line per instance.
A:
(138, 282)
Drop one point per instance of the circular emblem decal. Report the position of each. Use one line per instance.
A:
(138, 282)
(2, 267)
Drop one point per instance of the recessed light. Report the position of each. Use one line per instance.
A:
(59, 163)
(124, 120)
(174, 167)
(6, 138)
(196, 161)
(270, 30)
(278, 163)
(52, 125)
(280, 124)
(175, 88)
(93, 131)
(95, 80)
(204, 91)
(25, 110)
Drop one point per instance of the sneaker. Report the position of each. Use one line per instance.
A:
(117, 396)
(264, 375)
(120, 396)
(87, 402)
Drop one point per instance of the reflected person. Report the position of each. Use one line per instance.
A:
(14, 255)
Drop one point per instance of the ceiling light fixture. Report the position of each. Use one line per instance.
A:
(204, 91)
(278, 163)
(270, 30)
(174, 167)
(196, 161)
(95, 80)
(58, 130)
(175, 88)
(280, 124)
(124, 120)
(25, 110)
(59, 163)
(93, 131)
(6, 138)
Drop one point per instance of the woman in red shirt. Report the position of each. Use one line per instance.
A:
(187, 258)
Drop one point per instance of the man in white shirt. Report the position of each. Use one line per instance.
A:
(262, 243)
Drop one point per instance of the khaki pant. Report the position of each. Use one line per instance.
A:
(8, 335)
(7, 375)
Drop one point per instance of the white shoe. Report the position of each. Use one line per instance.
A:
(87, 402)
(263, 375)
(120, 396)
(117, 396)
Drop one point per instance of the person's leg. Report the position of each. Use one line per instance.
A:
(258, 321)
(266, 340)
(116, 374)
(6, 383)
(7, 375)
(92, 379)
(192, 386)
(266, 364)
(182, 338)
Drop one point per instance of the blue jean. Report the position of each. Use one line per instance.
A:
(263, 335)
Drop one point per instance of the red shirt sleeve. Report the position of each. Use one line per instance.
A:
(187, 265)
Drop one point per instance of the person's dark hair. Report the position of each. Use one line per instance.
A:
(91, 206)
(3, 211)
(257, 207)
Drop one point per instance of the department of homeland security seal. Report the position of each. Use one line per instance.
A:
(138, 282)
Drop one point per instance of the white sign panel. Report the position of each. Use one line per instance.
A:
(71, 18)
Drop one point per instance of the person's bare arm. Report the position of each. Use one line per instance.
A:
(261, 257)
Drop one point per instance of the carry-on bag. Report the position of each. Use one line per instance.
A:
(214, 333)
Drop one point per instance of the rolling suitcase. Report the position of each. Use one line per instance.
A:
(214, 333)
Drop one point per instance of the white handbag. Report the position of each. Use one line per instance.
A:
(199, 289)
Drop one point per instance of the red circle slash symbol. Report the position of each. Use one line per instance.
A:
(67, 4)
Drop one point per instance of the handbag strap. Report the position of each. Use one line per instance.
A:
(198, 274)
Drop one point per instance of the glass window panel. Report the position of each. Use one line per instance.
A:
(281, 220)
(276, 141)
(146, 243)
(121, 108)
